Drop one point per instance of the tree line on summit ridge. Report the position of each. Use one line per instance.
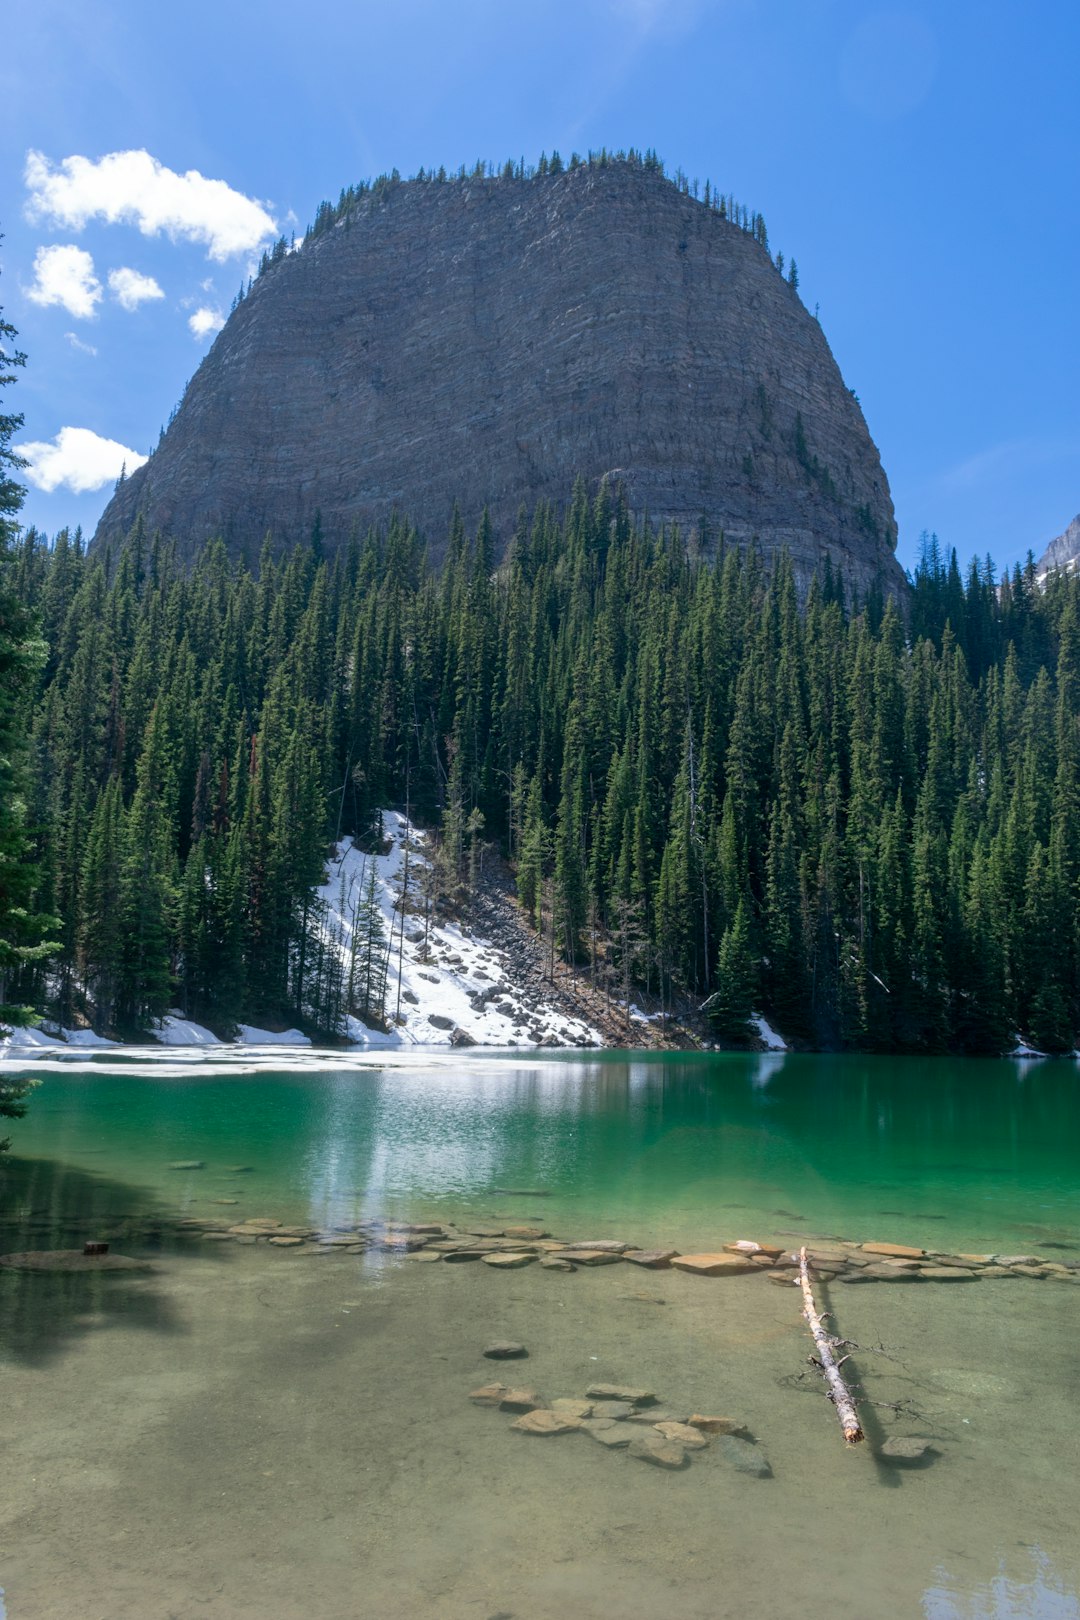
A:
(869, 829)
(372, 192)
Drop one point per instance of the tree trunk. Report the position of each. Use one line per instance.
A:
(839, 1393)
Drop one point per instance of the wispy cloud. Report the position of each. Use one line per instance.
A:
(64, 275)
(77, 343)
(205, 321)
(131, 288)
(1000, 461)
(673, 17)
(133, 188)
(78, 460)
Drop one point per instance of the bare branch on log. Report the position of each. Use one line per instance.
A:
(839, 1393)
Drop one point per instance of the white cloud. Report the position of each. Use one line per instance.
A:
(672, 17)
(77, 343)
(78, 460)
(64, 275)
(205, 321)
(133, 188)
(131, 288)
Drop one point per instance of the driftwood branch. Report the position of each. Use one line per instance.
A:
(839, 1393)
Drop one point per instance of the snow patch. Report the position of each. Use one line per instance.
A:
(86, 1037)
(251, 1036)
(30, 1039)
(773, 1041)
(1023, 1050)
(636, 1016)
(176, 1030)
(457, 990)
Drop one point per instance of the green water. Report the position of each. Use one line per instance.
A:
(684, 1148)
(247, 1432)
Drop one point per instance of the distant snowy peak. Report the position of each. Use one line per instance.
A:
(1062, 553)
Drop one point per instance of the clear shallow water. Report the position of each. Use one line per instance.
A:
(251, 1432)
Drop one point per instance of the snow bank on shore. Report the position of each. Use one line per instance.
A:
(250, 1035)
(176, 1030)
(454, 992)
(773, 1041)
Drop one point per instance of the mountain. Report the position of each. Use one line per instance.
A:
(1062, 553)
(484, 339)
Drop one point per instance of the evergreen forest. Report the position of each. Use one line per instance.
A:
(860, 817)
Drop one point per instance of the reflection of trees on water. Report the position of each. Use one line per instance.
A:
(45, 1204)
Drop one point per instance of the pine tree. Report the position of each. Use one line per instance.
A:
(23, 929)
(730, 1005)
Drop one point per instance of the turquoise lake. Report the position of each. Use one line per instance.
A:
(247, 1431)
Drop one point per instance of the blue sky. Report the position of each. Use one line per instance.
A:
(920, 160)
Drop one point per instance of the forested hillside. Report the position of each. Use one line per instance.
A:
(868, 828)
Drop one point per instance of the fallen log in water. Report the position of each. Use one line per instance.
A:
(839, 1393)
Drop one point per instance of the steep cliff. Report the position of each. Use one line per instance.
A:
(1062, 553)
(484, 341)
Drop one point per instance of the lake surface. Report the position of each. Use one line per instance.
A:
(255, 1432)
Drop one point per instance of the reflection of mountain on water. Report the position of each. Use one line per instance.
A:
(1036, 1592)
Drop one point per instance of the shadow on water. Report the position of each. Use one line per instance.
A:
(862, 1372)
(46, 1205)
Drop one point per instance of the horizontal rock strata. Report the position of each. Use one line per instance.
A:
(485, 341)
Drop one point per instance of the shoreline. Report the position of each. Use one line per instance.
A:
(48, 1054)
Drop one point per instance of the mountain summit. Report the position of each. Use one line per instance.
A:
(485, 339)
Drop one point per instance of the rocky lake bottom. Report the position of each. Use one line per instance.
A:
(287, 1409)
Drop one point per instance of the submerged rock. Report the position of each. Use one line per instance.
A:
(569, 1406)
(906, 1449)
(651, 1259)
(596, 1246)
(745, 1456)
(715, 1425)
(898, 1251)
(606, 1432)
(713, 1265)
(544, 1421)
(504, 1350)
(506, 1262)
(521, 1400)
(868, 1274)
(489, 1394)
(616, 1410)
(620, 1392)
(650, 1416)
(71, 1260)
(658, 1450)
(691, 1439)
(188, 1164)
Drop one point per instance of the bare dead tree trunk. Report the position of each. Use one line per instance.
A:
(839, 1393)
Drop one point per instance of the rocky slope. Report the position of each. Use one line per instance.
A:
(486, 340)
(1062, 553)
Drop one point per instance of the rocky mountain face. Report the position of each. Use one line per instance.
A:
(486, 340)
(1062, 553)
